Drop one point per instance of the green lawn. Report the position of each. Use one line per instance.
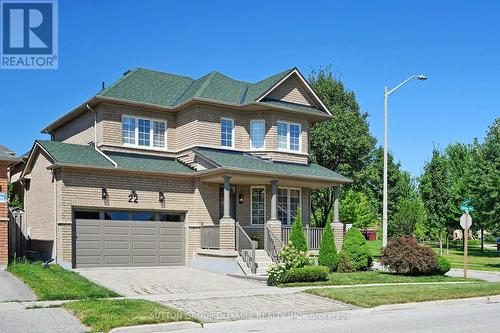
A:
(57, 283)
(374, 296)
(487, 260)
(104, 315)
(374, 277)
(375, 247)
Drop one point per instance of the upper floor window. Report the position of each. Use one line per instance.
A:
(226, 132)
(288, 136)
(141, 132)
(257, 134)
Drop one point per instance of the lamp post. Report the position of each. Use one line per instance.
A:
(387, 92)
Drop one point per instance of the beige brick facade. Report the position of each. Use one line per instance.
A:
(4, 217)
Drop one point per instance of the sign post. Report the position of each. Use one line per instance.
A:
(465, 223)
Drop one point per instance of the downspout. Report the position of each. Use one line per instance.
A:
(54, 179)
(95, 138)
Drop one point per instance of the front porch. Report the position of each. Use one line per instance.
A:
(256, 213)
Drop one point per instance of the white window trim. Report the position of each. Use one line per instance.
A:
(233, 139)
(251, 204)
(263, 121)
(289, 217)
(151, 133)
(287, 149)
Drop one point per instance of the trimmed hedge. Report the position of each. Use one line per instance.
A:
(345, 265)
(307, 274)
(297, 236)
(357, 250)
(327, 250)
(444, 265)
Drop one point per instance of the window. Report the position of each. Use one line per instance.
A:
(116, 215)
(86, 215)
(171, 217)
(257, 134)
(258, 205)
(146, 133)
(143, 216)
(288, 136)
(226, 132)
(128, 130)
(158, 134)
(288, 205)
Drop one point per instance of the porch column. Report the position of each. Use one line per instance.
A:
(227, 224)
(337, 226)
(274, 200)
(274, 225)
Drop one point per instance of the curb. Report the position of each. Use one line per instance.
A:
(165, 327)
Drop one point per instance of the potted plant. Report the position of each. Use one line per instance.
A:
(255, 240)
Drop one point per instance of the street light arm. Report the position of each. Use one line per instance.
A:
(402, 84)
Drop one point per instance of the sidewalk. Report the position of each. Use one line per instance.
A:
(489, 276)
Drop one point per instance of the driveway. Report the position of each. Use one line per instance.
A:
(12, 289)
(210, 297)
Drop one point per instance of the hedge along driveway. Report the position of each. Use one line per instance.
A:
(57, 283)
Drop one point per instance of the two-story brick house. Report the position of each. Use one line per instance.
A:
(152, 168)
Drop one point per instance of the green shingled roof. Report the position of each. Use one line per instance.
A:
(240, 160)
(67, 153)
(147, 86)
(85, 155)
(149, 163)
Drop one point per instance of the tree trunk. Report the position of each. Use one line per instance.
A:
(447, 245)
(482, 239)
(441, 242)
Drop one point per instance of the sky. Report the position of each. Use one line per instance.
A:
(368, 44)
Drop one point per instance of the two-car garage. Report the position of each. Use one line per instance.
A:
(128, 238)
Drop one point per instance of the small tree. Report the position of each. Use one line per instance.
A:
(409, 215)
(327, 250)
(357, 210)
(297, 237)
(356, 249)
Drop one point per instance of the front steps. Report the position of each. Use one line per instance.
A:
(262, 260)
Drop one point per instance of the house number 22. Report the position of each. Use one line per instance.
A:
(133, 197)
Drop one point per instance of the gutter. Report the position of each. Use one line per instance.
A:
(95, 138)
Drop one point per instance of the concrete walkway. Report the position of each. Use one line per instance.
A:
(14, 318)
(12, 289)
(489, 276)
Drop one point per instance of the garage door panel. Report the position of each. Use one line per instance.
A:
(116, 260)
(128, 243)
(116, 230)
(116, 244)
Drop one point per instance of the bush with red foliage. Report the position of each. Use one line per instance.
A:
(404, 255)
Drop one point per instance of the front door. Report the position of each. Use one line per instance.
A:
(232, 201)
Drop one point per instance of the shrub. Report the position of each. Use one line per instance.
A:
(294, 258)
(405, 256)
(327, 250)
(297, 236)
(444, 265)
(345, 265)
(307, 274)
(357, 250)
(276, 274)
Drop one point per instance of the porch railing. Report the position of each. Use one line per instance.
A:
(313, 236)
(272, 244)
(245, 248)
(209, 237)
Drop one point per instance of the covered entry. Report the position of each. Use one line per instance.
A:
(122, 238)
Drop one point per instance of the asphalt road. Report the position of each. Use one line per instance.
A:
(452, 316)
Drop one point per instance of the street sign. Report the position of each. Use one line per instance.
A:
(466, 206)
(462, 221)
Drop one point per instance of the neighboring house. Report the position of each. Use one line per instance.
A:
(7, 157)
(158, 166)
